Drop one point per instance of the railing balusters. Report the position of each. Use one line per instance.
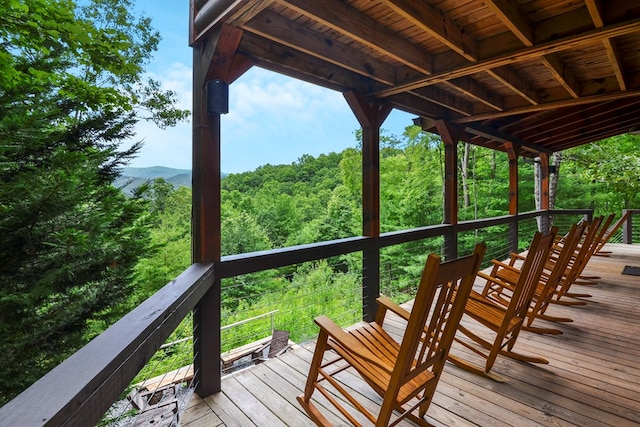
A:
(124, 348)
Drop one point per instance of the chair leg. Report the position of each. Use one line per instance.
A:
(463, 364)
(554, 318)
(523, 357)
(313, 412)
(539, 330)
(420, 421)
(565, 302)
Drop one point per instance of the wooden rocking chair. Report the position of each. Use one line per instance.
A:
(586, 248)
(404, 374)
(504, 322)
(502, 280)
(609, 233)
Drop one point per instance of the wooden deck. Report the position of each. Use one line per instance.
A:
(593, 378)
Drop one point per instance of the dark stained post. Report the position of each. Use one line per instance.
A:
(627, 228)
(206, 230)
(450, 136)
(544, 191)
(512, 153)
(214, 60)
(370, 114)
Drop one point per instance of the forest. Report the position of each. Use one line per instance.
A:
(77, 252)
(318, 199)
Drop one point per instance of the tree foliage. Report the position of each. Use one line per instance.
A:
(318, 199)
(71, 90)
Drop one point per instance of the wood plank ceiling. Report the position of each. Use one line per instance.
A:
(538, 75)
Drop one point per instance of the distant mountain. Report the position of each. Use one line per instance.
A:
(134, 177)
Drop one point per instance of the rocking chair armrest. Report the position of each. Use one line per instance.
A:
(496, 280)
(392, 306)
(505, 266)
(348, 343)
(515, 256)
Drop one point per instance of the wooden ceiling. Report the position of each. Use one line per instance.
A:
(538, 75)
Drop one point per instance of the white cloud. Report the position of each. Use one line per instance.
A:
(272, 119)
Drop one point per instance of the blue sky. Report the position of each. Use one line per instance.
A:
(272, 118)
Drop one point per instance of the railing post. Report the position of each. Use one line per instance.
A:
(371, 282)
(514, 234)
(450, 137)
(513, 151)
(627, 229)
(545, 221)
(451, 244)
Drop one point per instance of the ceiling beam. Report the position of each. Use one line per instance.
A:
(348, 21)
(489, 133)
(340, 17)
(206, 14)
(528, 53)
(583, 100)
(522, 27)
(289, 33)
(296, 64)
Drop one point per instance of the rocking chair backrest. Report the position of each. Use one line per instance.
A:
(436, 313)
(530, 275)
(612, 230)
(583, 249)
(561, 261)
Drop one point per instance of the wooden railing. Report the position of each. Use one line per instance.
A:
(80, 390)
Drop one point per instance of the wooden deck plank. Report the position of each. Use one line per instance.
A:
(593, 378)
(230, 414)
(199, 414)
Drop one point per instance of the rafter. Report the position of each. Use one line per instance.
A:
(522, 27)
(514, 82)
(562, 74)
(291, 62)
(489, 133)
(584, 100)
(346, 20)
(435, 23)
(342, 18)
(526, 54)
(516, 21)
(206, 14)
(595, 10)
(280, 30)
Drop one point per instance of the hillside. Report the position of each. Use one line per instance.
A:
(134, 177)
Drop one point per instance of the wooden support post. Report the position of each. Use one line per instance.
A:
(206, 234)
(214, 58)
(512, 153)
(450, 136)
(627, 228)
(370, 114)
(544, 192)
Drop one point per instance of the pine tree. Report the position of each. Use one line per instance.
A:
(71, 90)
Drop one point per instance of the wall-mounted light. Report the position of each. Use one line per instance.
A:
(217, 97)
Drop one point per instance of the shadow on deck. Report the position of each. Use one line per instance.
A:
(593, 378)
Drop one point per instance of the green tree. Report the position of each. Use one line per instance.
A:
(603, 175)
(71, 90)
(170, 238)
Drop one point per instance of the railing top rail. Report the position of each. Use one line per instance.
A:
(83, 387)
(250, 319)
